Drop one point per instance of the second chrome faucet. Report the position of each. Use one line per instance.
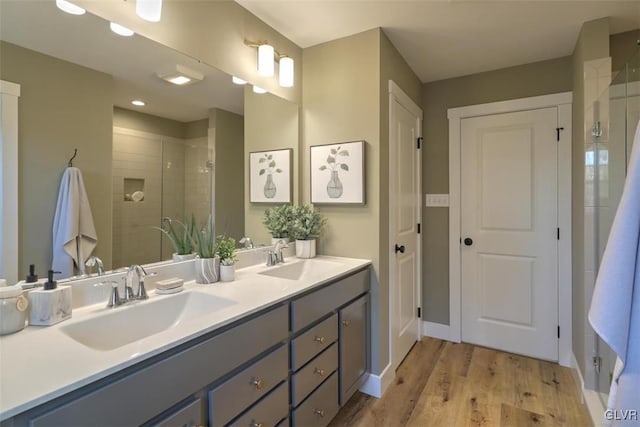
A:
(276, 256)
(135, 271)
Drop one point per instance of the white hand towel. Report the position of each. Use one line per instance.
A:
(74, 235)
(615, 307)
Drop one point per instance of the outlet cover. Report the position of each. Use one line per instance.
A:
(436, 200)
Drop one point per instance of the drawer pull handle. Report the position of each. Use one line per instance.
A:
(345, 323)
(319, 412)
(255, 424)
(319, 371)
(258, 383)
(319, 339)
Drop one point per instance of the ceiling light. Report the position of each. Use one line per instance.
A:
(257, 89)
(149, 10)
(120, 30)
(265, 60)
(238, 81)
(286, 72)
(180, 75)
(138, 103)
(68, 7)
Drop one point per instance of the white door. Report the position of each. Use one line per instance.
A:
(404, 213)
(509, 232)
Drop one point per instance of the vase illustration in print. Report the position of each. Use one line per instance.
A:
(270, 187)
(334, 187)
(336, 161)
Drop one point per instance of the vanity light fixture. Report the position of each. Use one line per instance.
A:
(238, 81)
(69, 7)
(138, 103)
(180, 75)
(120, 30)
(286, 72)
(257, 89)
(265, 60)
(149, 10)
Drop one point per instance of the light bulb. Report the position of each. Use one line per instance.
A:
(149, 10)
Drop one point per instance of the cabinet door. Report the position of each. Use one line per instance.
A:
(353, 347)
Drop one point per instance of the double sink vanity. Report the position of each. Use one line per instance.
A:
(283, 345)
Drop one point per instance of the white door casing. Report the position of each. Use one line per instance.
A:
(563, 103)
(508, 227)
(404, 216)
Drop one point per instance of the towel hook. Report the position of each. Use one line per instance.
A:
(75, 153)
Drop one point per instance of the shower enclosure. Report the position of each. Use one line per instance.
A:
(615, 116)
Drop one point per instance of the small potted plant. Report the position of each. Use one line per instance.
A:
(207, 262)
(278, 221)
(227, 255)
(181, 240)
(305, 228)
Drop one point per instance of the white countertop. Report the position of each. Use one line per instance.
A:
(39, 364)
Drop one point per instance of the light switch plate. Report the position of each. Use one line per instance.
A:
(436, 200)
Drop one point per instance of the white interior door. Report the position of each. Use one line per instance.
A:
(404, 162)
(509, 226)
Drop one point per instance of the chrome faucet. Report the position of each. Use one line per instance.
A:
(280, 245)
(94, 261)
(246, 241)
(141, 273)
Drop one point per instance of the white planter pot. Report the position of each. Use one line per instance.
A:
(275, 240)
(186, 257)
(306, 248)
(227, 273)
(207, 270)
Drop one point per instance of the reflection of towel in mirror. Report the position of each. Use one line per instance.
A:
(615, 307)
(74, 235)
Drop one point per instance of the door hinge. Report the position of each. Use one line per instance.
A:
(419, 312)
(419, 228)
(597, 363)
(558, 331)
(419, 142)
(558, 230)
(558, 133)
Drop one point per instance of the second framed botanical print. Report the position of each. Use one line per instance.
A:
(337, 173)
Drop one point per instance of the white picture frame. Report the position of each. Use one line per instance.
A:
(270, 176)
(338, 173)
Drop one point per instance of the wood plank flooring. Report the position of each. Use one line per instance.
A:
(443, 384)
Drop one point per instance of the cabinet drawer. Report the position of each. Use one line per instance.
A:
(312, 342)
(320, 407)
(267, 412)
(248, 386)
(189, 415)
(167, 381)
(316, 371)
(309, 308)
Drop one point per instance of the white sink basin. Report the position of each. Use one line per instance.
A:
(303, 268)
(123, 325)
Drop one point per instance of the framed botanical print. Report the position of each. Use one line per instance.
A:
(337, 173)
(270, 176)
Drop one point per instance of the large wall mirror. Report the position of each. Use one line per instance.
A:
(184, 152)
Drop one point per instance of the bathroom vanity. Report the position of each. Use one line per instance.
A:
(290, 351)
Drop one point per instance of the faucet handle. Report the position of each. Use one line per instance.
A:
(114, 296)
(272, 258)
(142, 292)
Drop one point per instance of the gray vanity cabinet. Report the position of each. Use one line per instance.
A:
(353, 347)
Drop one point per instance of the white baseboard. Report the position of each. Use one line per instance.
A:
(436, 330)
(590, 398)
(376, 385)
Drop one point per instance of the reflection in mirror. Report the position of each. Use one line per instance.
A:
(139, 163)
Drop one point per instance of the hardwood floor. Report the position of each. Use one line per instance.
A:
(443, 384)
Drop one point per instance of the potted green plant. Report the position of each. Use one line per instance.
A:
(306, 226)
(207, 262)
(182, 239)
(227, 255)
(278, 221)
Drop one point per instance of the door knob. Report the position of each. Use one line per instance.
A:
(399, 248)
(468, 241)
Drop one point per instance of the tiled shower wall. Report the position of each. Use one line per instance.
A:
(198, 178)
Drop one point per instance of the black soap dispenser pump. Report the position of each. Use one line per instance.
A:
(32, 277)
(50, 284)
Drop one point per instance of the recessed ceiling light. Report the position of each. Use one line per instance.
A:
(69, 7)
(138, 103)
(238, 80)
(120, 30)
(257, 89)
(180, 75)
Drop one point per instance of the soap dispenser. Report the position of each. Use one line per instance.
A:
(50, 305)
